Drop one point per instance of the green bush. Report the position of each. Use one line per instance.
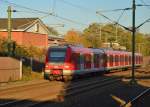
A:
(26, 71)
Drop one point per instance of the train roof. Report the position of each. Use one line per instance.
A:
(82, 49)
(86, 50)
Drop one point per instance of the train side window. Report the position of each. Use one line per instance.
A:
(108, 58)
(76, 57)
(122, 58)
(126, 58)
(81, 59)
(130, 59)
(104, 58)
(111, 58)
(87, 58)
(116, 58)
(96, 59)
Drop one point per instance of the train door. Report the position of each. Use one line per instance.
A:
(76, 60)
(116, 60)
(136, 59)
(81, 62)
(126, 60)
(111, 60)
(108, 60)
(130, 60)
(96, 60)
(122, 60)
(104, 60)
(87, 61)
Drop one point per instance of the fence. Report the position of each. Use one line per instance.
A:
(10, 69)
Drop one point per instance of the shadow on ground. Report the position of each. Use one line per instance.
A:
(110, 96)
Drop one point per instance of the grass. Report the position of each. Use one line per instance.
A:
(28, 74)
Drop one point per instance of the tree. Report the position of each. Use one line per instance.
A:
(52, 31)
(91, 36)
(73, 37)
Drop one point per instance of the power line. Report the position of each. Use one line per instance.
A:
(54, 6)
(112, 21)
(87, 9)
(38, 11)
(145, 4)
(34, 21)
(120, 16)
(77, 6)
(42, 12)
(148, 20)
(114, 10)
(69, 20)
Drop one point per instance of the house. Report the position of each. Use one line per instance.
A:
(55, 40)
(26, 31)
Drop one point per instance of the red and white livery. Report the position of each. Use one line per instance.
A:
(64, 62)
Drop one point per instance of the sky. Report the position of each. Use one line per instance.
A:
(78, 14)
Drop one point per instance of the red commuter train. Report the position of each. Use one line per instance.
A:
(65, 62)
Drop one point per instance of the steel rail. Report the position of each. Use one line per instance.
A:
(134, 100)
(18, 103)
(80, 89)
(22, 88)
(84, 88)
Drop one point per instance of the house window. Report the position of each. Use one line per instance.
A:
(36, 27)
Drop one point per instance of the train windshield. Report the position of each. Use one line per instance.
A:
(57, 56)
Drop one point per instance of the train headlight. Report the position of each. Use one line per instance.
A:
(46, 66)
(66, 66)
(47, 71)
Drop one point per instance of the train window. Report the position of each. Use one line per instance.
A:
(87, 58)
(104, 57)
(116, 58)
(57, 55)
(76, 59)
(122, 58)
(126, 58)
(130, 59)
(96, 59)
(108, 58)
(111, 58)
(81, 59)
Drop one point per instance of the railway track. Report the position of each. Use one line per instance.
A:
(82, 88)
(22, 88)
(22, 96)
(89, 85)
(74, 88)
(135, 101)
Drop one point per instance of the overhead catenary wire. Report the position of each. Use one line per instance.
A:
(42, 12)
(148, 20)
(114, 10)
(145, 4)
(54, 6)
(34, 21)
(78, 6)
(91, 10)
(112, 21)
(121, 15)
(20, 6)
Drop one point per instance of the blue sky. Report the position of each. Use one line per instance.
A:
(80, 12)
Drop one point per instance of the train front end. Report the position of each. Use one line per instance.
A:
(57, 65)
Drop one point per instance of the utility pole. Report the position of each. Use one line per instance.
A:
(100, 26)
(133, 81)
(116, 33)
(10, 44)
(9, 30)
